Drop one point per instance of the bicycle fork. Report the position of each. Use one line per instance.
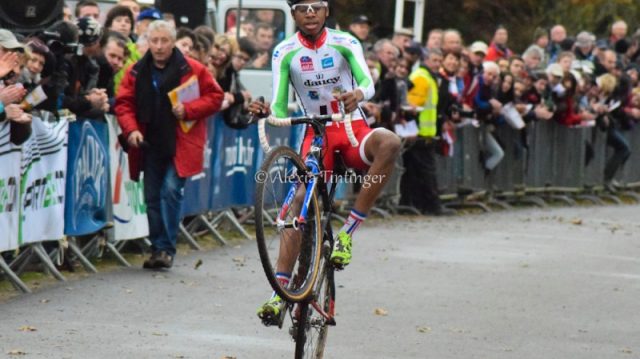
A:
(313, 166)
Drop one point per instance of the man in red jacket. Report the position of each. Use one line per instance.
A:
(165, 142)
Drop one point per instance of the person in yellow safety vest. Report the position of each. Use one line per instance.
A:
(419, 185)
(424, 93)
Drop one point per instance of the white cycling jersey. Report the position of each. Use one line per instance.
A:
(318, 71)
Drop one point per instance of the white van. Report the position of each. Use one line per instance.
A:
(257, 81)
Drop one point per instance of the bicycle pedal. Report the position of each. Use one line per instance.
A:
(331, 322)
(338, 266)
(270, 320)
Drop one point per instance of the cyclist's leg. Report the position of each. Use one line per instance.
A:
(377, 151)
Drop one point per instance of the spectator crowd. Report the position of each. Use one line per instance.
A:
(444, 84)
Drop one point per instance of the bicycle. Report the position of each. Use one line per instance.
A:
(312, 287)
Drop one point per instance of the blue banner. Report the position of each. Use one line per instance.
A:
(87, 178)
(237, 156)
(231, 160)
(197, 189)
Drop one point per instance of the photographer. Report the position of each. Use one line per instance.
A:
(11, 93)
(82, 97)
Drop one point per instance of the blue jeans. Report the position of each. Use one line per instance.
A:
(163, 193)
(621, 153)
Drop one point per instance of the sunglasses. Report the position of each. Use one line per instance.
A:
(243, 58)
(309, 8)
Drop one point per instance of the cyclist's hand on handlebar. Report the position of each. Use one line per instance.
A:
(259, 108)
(351, 100)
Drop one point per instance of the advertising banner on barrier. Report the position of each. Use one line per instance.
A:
(197, 189)
(129, 208)
(231, 160)
(88, 169)
(9, 189)
(236, 160)
(42, 187)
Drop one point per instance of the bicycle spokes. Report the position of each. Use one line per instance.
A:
(288, 242)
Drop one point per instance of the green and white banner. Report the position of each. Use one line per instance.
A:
(43, 172)
(9, 189)
(129, 208)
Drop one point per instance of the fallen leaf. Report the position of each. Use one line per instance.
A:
(198, 264)
(27, 328)
(159, 276)
(381, 312)
(239, 259)
(44, 301)
(129, 291)
(577, 221)
(626, 351)
(158, 334)
(228, 357)
(17, 352)
(424, 329)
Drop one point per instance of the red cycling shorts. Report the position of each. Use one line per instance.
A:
(336, 140)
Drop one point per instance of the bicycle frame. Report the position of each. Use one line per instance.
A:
(315, 178)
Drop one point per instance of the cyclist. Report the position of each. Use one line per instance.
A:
(326, 67)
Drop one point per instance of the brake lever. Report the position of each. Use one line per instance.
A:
(256, 117)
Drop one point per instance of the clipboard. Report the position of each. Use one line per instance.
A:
(188, 91)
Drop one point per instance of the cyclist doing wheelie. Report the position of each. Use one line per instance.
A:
(327, 70)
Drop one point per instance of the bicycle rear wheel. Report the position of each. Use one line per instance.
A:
(312, 326)
(278, 230)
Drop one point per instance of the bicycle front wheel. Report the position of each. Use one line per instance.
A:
(313, 322)
(286, 243)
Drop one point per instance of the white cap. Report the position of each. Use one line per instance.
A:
(555, 70)
(479, 46)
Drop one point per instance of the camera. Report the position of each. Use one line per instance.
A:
(61, 38)
(54, 42)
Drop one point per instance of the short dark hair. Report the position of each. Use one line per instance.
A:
(264, 25)
(116, 11)
(118, 38)
(456, 54)
(245, 45)
(186, 32)
(84, 3)
(515, 58)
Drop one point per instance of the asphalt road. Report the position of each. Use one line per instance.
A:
(561, 283)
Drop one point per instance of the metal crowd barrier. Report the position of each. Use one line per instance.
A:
(544, 162)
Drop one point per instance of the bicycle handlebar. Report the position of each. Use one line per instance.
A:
(292, 121)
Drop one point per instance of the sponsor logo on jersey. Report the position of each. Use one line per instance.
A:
(321, 82)
(314, 95)
(306, 63)
(276, 54)
(327, 62)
